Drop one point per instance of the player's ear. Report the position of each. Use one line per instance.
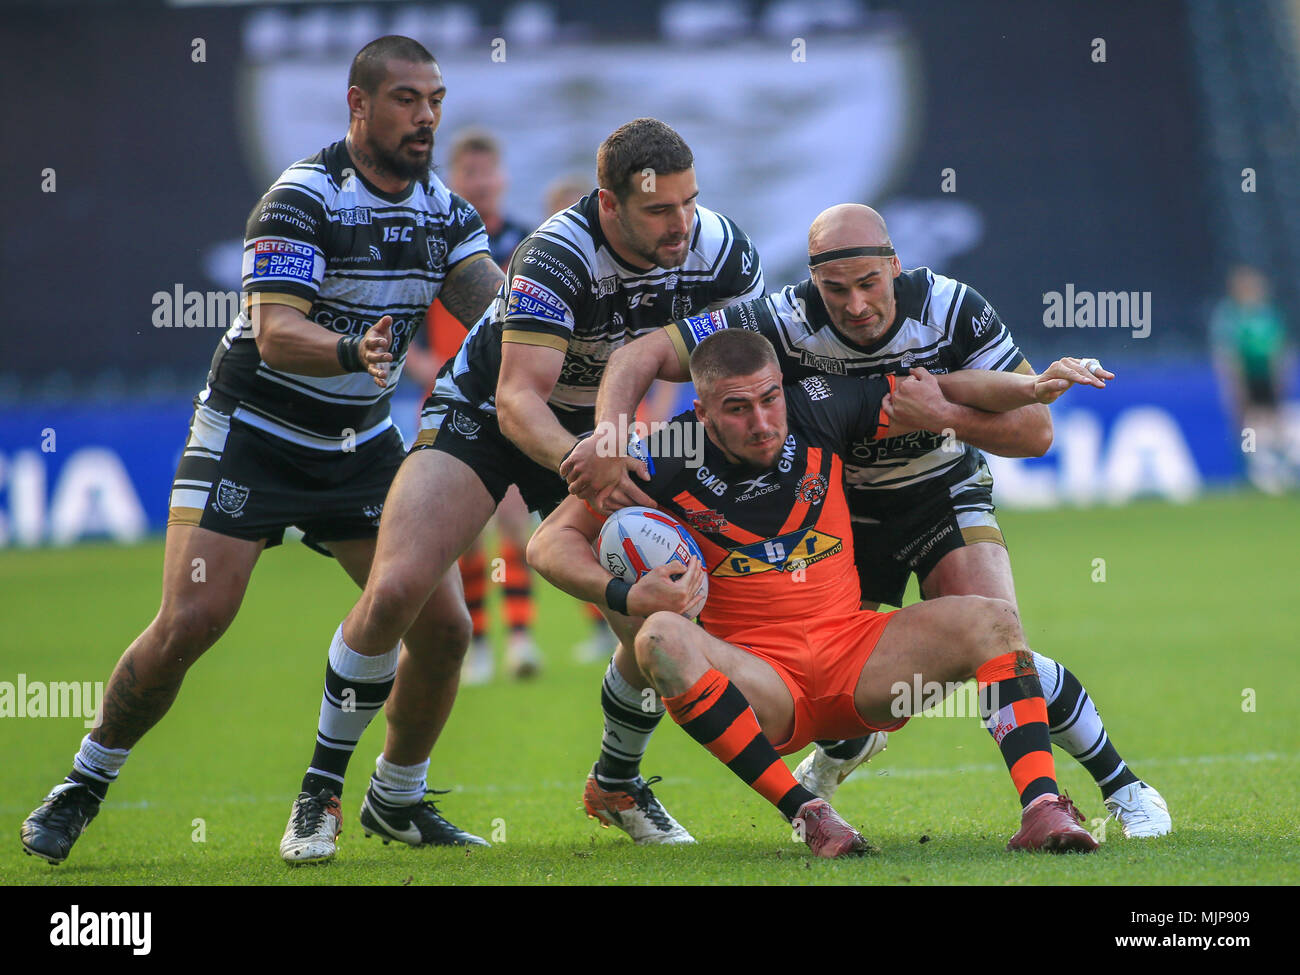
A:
(608, 201)
(357, 102)
(895, 265)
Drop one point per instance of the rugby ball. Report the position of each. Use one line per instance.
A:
(635, 540)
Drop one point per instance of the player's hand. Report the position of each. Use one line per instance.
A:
(918, 402)
(605, 483)
(1067, 372)
(375, 347)
(658, 590)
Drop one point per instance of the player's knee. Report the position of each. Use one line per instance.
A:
(187, 629)
(392, 600)
(655, 643)
(998, 626)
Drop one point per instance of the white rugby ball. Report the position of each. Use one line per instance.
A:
(635, 540)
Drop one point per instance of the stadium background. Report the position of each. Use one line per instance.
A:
(1122, 175)
(1000, 148)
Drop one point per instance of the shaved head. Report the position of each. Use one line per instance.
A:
(847, 225)
(856, 285)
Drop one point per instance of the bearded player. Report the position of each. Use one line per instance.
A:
(618, 264)
(920, 503)
(766, 675)
(341, 258)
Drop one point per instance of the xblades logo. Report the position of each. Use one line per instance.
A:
(756, 488)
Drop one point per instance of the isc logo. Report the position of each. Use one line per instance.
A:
(397, 233)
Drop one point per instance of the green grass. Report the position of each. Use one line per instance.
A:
(1199, 604)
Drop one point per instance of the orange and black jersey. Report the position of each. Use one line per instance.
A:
(777, 542)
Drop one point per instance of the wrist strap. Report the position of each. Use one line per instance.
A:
(616, 591)
(349, 353)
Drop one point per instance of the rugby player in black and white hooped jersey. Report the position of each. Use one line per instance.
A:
(920, 504)
(619, 264)
(341, 259)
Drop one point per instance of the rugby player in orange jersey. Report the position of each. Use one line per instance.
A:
(765, 676)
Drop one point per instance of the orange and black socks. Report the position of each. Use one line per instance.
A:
(715, 713)
(1013, 709)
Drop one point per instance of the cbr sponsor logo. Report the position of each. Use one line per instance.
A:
(786, 553)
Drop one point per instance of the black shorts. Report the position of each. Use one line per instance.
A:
(889, 549)
(475, 439)
(236, 480)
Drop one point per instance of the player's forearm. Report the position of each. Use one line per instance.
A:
(563, 557)
(288, 342)
(631, 372)
(527, 422)
(470, 288)
(983, 389)
(1026, 432)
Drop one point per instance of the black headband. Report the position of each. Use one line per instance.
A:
(886, 250)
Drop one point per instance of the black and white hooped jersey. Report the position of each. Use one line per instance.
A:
(566, 289)
(325, 241)
(940, 324)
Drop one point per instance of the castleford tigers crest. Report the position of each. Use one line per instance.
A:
(811, 488)
(231, 498)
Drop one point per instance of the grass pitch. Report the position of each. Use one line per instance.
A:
(1188, 647)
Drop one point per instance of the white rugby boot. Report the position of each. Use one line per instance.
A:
(1140, 810)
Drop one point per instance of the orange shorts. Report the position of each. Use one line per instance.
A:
(820, 660)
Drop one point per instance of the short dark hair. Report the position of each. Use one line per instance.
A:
(370, 66)
(728, 353)
(643, 143)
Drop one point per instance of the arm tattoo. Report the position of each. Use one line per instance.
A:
(470, 288)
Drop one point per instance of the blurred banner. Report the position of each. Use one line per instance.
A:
(1029, 150)
(73, 473)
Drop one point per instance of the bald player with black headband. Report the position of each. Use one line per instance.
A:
(920, 503)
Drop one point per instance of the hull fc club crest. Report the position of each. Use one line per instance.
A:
(437, 251)
(231, 498)
(463, 425)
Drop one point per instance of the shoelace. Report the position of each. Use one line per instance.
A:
(67, 807)
(1064, 801)
(645, 801)
(310, 814)
(432, 806)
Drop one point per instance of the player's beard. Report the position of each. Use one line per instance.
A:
(642, 248)
(404, 166)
